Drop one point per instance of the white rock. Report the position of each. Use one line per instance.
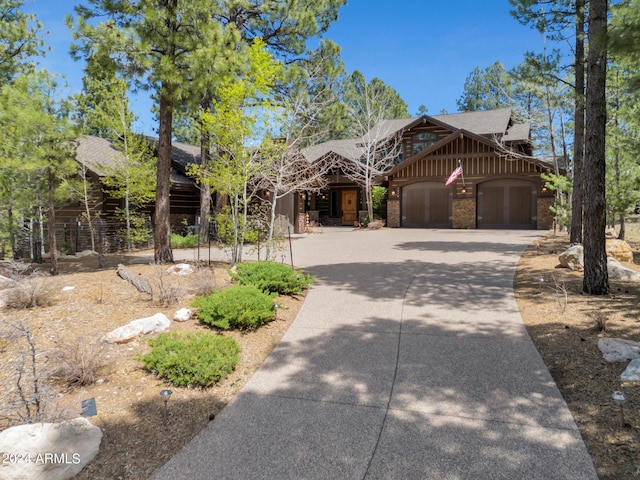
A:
(632, 372)
(182, 315)
(154, 324)
(181, 269)
(618, 272)
(123, 334)
(85, 253)
(56, 451)
(618, 349)
(68, 288)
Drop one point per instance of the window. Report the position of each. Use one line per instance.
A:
(422, 140)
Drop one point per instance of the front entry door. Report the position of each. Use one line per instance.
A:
(349, 206)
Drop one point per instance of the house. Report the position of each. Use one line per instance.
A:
(500, 187)
(99, 156)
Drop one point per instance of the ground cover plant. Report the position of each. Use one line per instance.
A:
(189, 240)
(192, 359)
(243, 307)
(272, 277)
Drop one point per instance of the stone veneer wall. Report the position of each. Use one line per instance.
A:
(545, 215)
(463, 213)
(393, 212)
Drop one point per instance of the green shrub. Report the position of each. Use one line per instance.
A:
(272, 277)
(190, 240)
(195, 359)
(244, 307)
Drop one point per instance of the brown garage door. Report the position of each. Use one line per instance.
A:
(426, 204)
(507, 204)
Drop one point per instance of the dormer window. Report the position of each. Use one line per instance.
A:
(422, 140)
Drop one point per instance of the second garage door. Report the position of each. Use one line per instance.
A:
(507, 204)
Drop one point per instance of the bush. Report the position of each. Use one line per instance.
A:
(272, 277)
(190, 240)
(79, 362)
(195, 359)
(31, 292)
(245, 307)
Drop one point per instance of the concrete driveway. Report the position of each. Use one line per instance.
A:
(408, 360)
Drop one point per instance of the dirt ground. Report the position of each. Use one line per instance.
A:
(563, 323)
(137, 439)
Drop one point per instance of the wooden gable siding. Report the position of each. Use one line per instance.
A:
(477, 158)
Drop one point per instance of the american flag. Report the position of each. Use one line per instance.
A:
(454, 175)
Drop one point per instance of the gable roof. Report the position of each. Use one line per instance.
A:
(347, 148)
(481, 122)
(519, 132)
(100, 157)
(97, 154)
(492, 124)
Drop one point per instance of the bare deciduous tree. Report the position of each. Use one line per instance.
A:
(380, 145)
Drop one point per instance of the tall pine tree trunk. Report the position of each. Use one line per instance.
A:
(162, 231)
(596, 278)
(577, 199)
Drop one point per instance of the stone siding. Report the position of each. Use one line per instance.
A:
(393, 212)
(545, 215)
(463, 213)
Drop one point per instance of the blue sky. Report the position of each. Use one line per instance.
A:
(425, 49)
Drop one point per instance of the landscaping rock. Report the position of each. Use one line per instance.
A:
(619, 249)
(85, 253)
(48, 451)
(181, 269)
(155, 324)
(123, 334)
(618, 272)
(573, 258)
(182, 315)
(618, 349)
(632, 372)
(143, 326)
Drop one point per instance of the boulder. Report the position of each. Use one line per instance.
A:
(155, 324)
(181, 269)
(618, 272)
(618, 349)
(632, 372)
(48, 451)
(123, 334)
(619, 249)
(182, 315)
(572, 258)
(85, 253)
